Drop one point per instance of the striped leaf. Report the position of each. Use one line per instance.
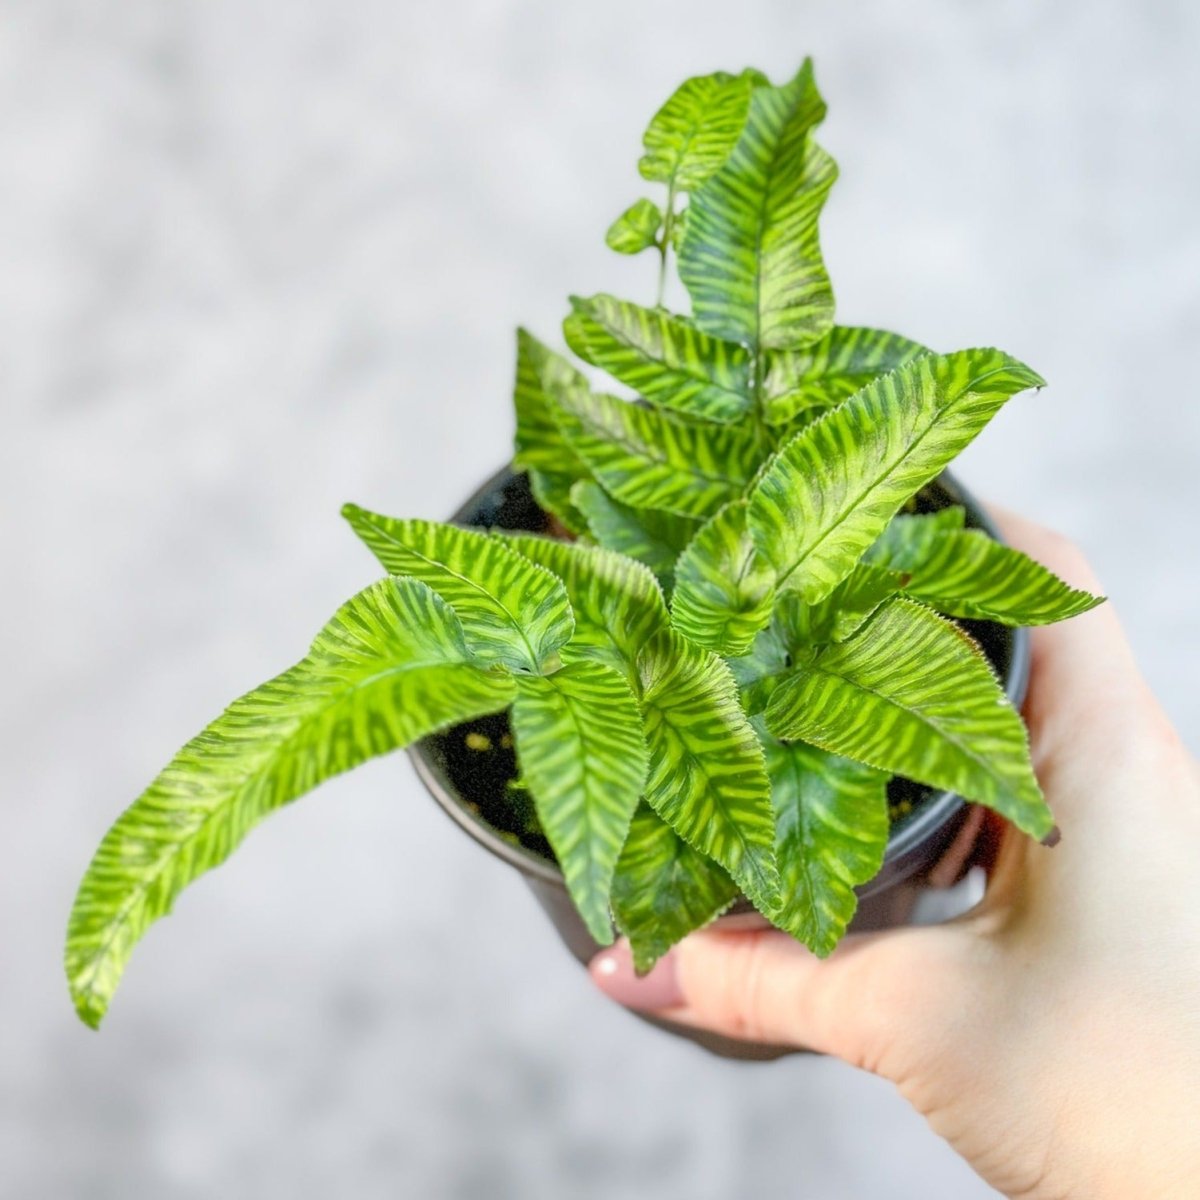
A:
(655, 539)
(831, 370)
(694, 131)
(664, 889)
(513, 611)
(831, 821)
(965, 573)
(635, 229)
(842, 613)
(662, 357)
(539, 446)
(390, 667)
(724, 588)
(913, 695)
(652, 459)
(580, 745)
(707, 778)
(617, 603)
(830, 492)
(751, 259)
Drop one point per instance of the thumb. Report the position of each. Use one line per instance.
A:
(867, 1003)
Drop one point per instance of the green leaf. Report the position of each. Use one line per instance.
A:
(707, 778)
(724, 587)
(829, 493)
(617, 603)
(912, 694)
(655, 539)
(539, 445)
(965, 573)
(751, 259)
(513, 611)
(581, 749)
(831, 370)
(663, 889)
(664, 358)
(831, 819)
(390, 667)
(552, 491)
(842, 613)
(635, 229)
(651, 459)
(694, 131)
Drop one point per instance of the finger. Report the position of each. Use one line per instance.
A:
(862, 1004)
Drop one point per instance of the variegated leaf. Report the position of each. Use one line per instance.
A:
(664, 889)
(635, 229)
(513, 611)
(617, 603)
(582, 752)
(694, 131)
(539, 446)
(965, 573)
(648, 458)
(751, 259)
(662, 357)
(831, 820)
(829, 371)
(830, 492)
(390, 667)
(707, 778)
(913, 695)
(655, 539)
(842, 613)
(724, 588)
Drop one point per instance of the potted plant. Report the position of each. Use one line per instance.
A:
(731, 640)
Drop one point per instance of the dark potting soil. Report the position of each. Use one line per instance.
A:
(478, 756)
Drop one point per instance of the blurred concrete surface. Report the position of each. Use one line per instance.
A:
(260, 258)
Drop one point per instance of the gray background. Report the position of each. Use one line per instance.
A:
(262, 257)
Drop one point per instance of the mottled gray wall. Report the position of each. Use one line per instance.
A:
(260, 257)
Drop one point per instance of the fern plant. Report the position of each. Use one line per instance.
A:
(746, 628)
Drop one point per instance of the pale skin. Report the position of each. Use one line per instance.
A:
(1052, 1034)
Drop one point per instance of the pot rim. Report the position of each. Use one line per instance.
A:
(902, 857)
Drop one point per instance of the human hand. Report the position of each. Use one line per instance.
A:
(1051, 1034)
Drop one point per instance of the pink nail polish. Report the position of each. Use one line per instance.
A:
(612, 969)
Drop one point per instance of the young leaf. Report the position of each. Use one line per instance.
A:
(707, 778)
(831, 820)
(724, 588)
(829, 493)
(390, 667)
(664, 358)
(751, 259)
(663, 889)
(617, 603)
(831, 370)
(513, 611)
(539, 445)
(635, 229)
(655, 539)
(579, 741)
(694, 131)
(965, 573)
(913, 695)
(652, 459)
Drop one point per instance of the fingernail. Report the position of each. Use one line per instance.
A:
(612, 969)
(1052, 838)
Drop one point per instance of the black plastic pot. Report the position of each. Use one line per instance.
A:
(918, 839)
